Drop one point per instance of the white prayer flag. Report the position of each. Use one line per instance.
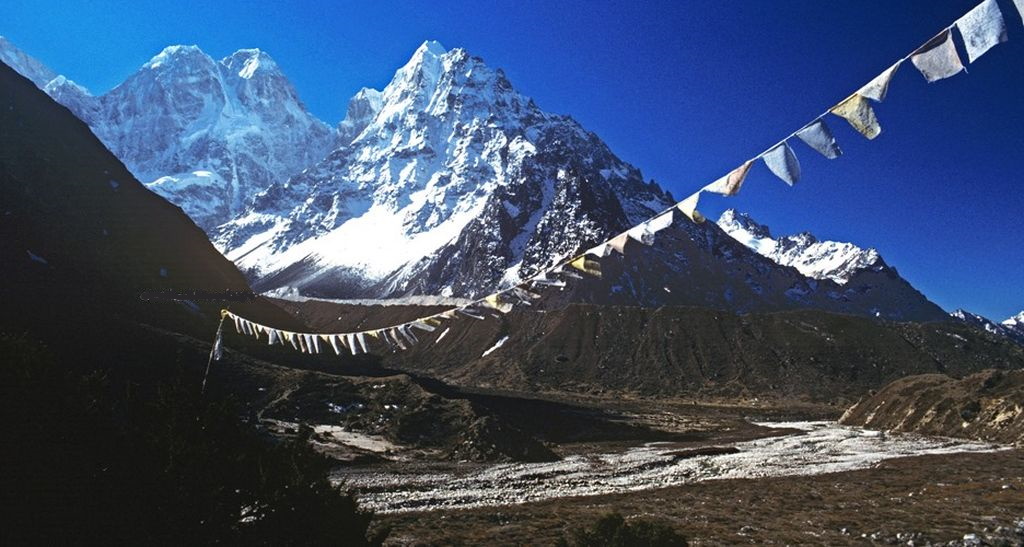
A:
(730, 184)
(660, 222)
(423, 326)
(818, 136)
(782, 161)
(879, 86)
(334, 344)
(618, 243)
(938, 58)
(218, 345)
(1020, 7)
(351, 338)
(689, 208)
(982, 28)
(641, 234)
(601, 250)
(361, 337)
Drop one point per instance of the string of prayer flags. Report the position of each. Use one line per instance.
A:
(818, 136)
(879, 86)
(782, 161)
(856, 110)
(982, 28)
(730, 184)
(938, 58)
(689, 207)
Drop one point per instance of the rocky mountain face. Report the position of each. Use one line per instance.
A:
(454, 184)
(700, 265)
(988, 405)
(207, 135)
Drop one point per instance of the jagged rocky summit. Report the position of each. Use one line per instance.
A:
(452, 184)
(206, 135)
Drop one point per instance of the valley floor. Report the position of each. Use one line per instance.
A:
(931, 498)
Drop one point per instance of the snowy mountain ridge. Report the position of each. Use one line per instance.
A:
(834, 260)
(464, 182)
(204, 134)
(1012, 328)
(1015, 322)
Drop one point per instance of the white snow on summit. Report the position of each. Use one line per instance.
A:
(833, 260)
(447, 181)
(1015, 323)
(182, 113)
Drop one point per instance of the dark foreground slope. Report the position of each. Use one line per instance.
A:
(988, 405)
(680, 351)
(108, 439)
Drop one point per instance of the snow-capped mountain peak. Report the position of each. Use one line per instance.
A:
(362, 109)
(205, 134)
(1012, 328)
(1015, 323)
(747, 231)
(834, 260)
(978, 321)
(208, 135)
(448, 159)
(248, 61)
(177, 54)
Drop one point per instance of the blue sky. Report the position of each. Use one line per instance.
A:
(684, 90)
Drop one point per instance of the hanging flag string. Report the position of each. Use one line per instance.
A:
(982, 28)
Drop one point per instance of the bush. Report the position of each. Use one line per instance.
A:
(612, 530)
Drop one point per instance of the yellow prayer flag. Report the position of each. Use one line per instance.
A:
(856, 110)
(586, 266)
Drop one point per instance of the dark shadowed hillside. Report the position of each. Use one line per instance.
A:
(679, 351)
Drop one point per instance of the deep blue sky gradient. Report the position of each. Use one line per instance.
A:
(684, 90)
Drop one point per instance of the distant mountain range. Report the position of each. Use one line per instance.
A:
(447, 182)
(1012, 328)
